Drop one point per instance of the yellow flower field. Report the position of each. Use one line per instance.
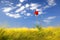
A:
(48, 33)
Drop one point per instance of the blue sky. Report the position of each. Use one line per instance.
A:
(20, 13)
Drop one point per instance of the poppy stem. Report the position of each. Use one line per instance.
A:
(36, 19)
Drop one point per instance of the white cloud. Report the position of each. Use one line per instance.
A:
(28, 14)
(10, 15)
(47, 6)
(13, 15)
(7, 2)
(51, 2)
(11, 3)
(19, 5)
(34, 6)
(52, 17)
(23, 12)
(40, 12)
(27, 5)
(17, 16)
(20, 9)
(37, 9)
(49, 19)
(7, 9)
(21, 0)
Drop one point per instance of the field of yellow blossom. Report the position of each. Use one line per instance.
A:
(47, 33)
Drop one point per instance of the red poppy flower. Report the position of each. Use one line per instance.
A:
(36, 12)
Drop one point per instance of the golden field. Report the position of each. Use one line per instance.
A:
(48, 33)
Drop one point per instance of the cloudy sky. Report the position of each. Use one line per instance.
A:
(20, 13)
